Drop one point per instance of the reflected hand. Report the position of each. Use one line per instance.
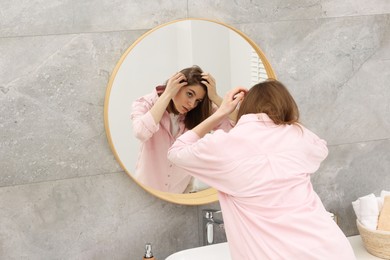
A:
(209, 81)
(175, 82)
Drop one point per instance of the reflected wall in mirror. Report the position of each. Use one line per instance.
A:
(230, 57)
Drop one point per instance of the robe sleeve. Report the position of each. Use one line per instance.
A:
(142, 120)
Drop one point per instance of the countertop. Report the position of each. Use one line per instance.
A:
(358, 247)
(221, 251)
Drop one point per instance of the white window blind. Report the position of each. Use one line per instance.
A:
(258, 72)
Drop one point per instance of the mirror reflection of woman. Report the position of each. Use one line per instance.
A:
(187, 98)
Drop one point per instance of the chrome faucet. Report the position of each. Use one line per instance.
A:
(209, 221)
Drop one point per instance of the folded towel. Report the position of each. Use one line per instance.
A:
(356, 208)
(356, 204)
(367, 210)
(384, 216)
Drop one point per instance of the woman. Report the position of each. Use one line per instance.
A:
(261, 169)
(161, 116)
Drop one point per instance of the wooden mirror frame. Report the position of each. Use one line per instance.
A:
(199, 198)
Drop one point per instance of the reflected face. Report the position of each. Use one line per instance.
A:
(188, 98)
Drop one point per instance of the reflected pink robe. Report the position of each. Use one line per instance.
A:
(262, 174)
(153, 168)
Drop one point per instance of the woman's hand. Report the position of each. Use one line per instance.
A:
(229, 103)
(174, 84)
(231, 100)
(209, 81)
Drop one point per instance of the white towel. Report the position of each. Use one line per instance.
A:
(367, 210)
(356, 208)
(356, 205)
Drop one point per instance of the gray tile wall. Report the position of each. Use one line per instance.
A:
(63, 195)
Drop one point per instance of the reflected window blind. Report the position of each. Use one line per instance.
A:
(258, 72)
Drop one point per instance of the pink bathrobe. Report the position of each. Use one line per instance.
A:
(262, 174)
(153, 168)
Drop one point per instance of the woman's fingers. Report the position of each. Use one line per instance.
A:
(208, 79)
(179, 77)
(238, 96)
(238, 92)
(175, 82)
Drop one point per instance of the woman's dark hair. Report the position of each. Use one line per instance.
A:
(272, 98)
(203, 109)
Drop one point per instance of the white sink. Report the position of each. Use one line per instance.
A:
(221, 252)
(211, 252)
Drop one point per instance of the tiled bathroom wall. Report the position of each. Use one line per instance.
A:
(62, 193)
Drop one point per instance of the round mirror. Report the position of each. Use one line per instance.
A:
(221, 50)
